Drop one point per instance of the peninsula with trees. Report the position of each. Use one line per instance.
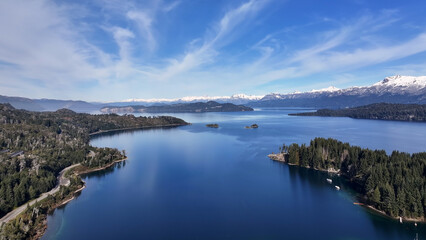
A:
(36, 146)
(198, 107)
(380, 111)
(392, 184)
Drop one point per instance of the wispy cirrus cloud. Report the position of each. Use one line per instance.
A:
(144, 22)
(169, 7)
(222, 34)
(118, 47)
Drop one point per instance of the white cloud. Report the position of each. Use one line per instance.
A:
(209, 49)
(334, 52)
(364, 57)
(38, 43)
(144, 21)
(171, 6)
(122, 36)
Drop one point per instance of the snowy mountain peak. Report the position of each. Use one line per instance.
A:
(236, 98)
(200, 98)
(272, 96)
(403, 81)
(408, 89)
(329, 89)
(247, 97)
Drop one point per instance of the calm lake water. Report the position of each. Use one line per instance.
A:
(195, 182)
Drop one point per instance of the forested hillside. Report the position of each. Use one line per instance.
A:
(393, 183)
(36, 146)
(198, 107)
(382, 111)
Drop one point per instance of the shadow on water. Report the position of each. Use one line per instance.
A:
(99, 175)
(131, 131)
(313, 177)
(102, 173)
(63, 207)
(381, 223)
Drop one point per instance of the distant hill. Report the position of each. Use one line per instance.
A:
(198, 107)
(49, 104)
(382, 111)
(396, 89)
(77, 106)
(21, 103)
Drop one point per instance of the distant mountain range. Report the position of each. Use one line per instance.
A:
(235, 99)
(197, 107)
(395, 89)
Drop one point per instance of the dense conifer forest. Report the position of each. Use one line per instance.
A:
(394, 184)
(382, 111)
(36, 146)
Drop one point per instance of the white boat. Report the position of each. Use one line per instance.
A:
(329, 180)
(337, 187)
(400, 219)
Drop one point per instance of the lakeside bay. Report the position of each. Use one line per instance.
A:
(195, 182)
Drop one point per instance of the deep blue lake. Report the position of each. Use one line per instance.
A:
(195, 182)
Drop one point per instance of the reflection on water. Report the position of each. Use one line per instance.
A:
(195, 182)
(102, 173)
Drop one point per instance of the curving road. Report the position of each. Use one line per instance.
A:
(62, 181)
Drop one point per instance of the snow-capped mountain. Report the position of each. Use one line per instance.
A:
(398, 84)
(235, 99)
(395, 89)
(329, 89)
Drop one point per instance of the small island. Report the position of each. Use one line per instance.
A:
(379, 111)
(198, 107)
(212, 125)
(390, 184)
(252, 126)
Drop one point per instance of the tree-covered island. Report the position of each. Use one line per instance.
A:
(393, 184)
(36, 146)
(379, 111)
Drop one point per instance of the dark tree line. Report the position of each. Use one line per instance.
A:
(393, 183)
(382, 111)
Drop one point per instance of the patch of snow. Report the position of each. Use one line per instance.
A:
(197, 98)
(403, 81)
(329, 89)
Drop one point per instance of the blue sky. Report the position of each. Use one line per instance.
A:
(109, 50)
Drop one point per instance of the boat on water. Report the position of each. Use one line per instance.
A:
(329, 180)
(337, 187)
